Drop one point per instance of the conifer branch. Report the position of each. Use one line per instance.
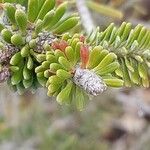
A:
(37, 50)
(132, 46)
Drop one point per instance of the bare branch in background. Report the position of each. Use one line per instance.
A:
(85, 15)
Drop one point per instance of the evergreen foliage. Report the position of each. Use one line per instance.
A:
(37, 49)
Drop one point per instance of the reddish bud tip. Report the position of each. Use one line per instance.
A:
(55, 45)
(58, 2)
(84, 54)
(82, 38)
(61, 45)
(1, 6)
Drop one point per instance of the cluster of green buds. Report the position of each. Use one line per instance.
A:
(72, 70)
(26, 32)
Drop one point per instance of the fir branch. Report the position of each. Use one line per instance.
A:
(132, 46)
(36, 50)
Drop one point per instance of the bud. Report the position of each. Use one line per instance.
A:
(7, 16)
(89, 81)
(55, 45)
(61, 45)
(82, 38)
(58, 2)
(84, 54)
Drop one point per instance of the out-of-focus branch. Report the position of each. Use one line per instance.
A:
(137, 21)
(105, 10)
(85, 15)
(136, 102)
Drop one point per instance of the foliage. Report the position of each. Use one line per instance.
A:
(35, 49)
(132, 46)
(69, 71)
(21, 30)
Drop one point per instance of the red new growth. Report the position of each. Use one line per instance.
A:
(82, 38)
(55, 45)
(84, 54)
(59, 45)
(58, 2)
(62, 45)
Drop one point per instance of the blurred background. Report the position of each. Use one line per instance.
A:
(119, 119)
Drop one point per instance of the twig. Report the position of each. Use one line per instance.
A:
(105, 10)
(85, 15)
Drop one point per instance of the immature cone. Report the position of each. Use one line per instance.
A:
(89, 81)
(85, 78)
